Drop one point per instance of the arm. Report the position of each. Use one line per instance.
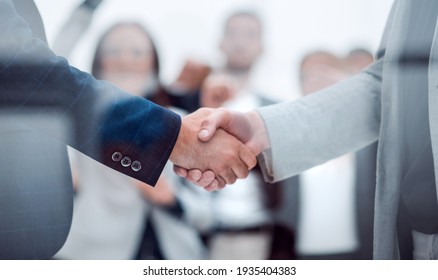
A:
(105, 119)
(291, 137)
(337, 120)
(322, 126)
(32, 76)
(362, 92)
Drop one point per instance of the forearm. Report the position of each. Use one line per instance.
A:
(322, 126)
(105, 119)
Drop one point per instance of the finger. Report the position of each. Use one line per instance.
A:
(244, 160)
(213, 186)
(194, 175)
(241, 170)
(206, 179)
(182, 172)
(228, 176)
(217, 184)
(221, 183)
(247, 157)
(219, 118)
(238, 166)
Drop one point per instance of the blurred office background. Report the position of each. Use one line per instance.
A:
(192, 28)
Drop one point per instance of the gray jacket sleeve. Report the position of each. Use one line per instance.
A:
(322, 126)
(314, 129)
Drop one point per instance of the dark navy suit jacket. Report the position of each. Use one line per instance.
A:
(127, 133)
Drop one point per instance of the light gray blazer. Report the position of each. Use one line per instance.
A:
(349, 116)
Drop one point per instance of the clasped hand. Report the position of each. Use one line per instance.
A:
(216, 147)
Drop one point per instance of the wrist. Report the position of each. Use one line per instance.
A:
(176, 151)
(260, 139)
(180, 149)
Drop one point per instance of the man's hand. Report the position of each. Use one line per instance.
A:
(217, 161)
(247, 127)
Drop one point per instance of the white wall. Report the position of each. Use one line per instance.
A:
(184, 28)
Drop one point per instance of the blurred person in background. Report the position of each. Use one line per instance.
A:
(320, 69)
(243, 225)
(241, 46)
(184, 92)
(117, 217)
(336, 199)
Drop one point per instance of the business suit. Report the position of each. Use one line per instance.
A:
(351, 115)
(126, 133)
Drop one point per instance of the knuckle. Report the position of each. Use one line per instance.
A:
(223, 112)
(205, 123)
(222, 169)
(204, 182)
(233, 153)
(202, 110)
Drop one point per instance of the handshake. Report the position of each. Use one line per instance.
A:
(216, 147)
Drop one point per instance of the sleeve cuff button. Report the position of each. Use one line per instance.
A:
(126, 161)
(136, 165)
(117, 156)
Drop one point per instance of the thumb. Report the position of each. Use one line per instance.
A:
(218, 119)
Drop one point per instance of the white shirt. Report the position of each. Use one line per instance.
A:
(108, 217)
(326, 222)
(241, 205)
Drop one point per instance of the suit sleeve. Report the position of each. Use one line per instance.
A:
(314, 129)
(126, 133)
(340, 119)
